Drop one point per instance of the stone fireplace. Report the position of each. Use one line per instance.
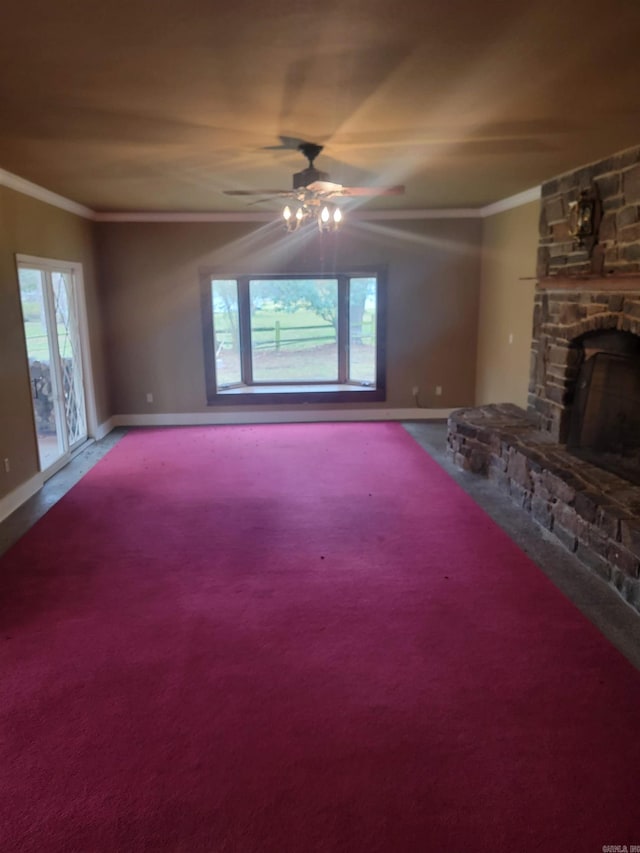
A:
(572, 459)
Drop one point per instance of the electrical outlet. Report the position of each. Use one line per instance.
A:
(149, 397)
(415, 390)
(510, 337)
(7, 465)
(438, 390)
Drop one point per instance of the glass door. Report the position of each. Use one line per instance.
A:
(52, 333)
(69, 357)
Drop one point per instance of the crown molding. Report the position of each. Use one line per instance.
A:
(355, 215)
(158, 216)
(533, 194)
(427, 213)
(21, 185)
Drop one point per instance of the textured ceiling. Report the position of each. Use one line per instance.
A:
(161, 105)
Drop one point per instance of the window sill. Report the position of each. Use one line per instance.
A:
(268, 394)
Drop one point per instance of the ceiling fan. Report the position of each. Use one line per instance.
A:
(311, 191)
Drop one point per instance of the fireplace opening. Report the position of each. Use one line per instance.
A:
(604, 426)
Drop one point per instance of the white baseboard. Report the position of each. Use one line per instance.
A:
(278, 417)
(103, 429)
(9, 503)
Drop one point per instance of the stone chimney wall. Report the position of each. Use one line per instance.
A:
(617, 183)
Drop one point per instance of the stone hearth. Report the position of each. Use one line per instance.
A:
(594, 513)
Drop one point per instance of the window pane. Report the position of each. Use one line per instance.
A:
(226, 332)
(362, 330)
(293, 330)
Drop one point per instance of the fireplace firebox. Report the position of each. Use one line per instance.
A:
(605, 416)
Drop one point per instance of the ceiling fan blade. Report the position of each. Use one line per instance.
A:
(324, 187)
(287, 143)
(371, 191)
(268, 198)
(257, 192)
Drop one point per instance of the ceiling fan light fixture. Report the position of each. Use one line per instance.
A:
(330, 218)
(294, 221)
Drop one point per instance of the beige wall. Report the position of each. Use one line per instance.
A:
(509, 246)
(150, 275)
(31, 227)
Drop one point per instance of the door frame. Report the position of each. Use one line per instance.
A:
(74, 268)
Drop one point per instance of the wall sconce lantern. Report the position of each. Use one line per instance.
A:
(584, 219)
